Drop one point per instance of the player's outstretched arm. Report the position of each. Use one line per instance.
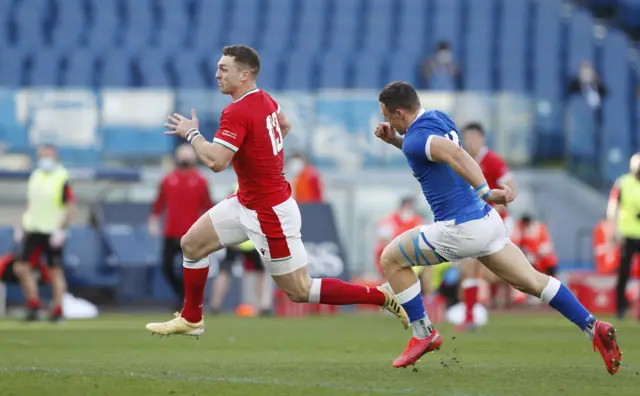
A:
(214, 156)
(440, 149)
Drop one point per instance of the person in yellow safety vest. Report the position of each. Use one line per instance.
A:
(221, 284)
(624, 211)
(50, 207)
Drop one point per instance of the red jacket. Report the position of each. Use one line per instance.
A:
(307, 187)
(183, 197)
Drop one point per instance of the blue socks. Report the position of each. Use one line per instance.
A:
(411, 301)
(562, 300)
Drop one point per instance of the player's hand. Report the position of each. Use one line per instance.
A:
(502, 195)
(385, 132)
(57, 238)
(180, 125)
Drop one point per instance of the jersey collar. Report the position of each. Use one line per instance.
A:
(481, 154)
(246, 94)
(420, 113)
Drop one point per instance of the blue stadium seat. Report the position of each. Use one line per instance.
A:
(210, 19)
(367, 72)
(333, 71)
(135, 144)
(45, 70)
(188, 66)
(84, 258)
(106, 25)
(311, 30)
(152, 65)
(512, 46)
(409, 70)
(448, 14)
(29, 17)
(412, 30)
(130, 213)
(115, 70)
(70, 26)
(629, 13)
(378, 25)
(89, 157)
(6, 240)
(80, 70)
(243, 22)
(276, 36)
(580, 41)
(581, 131)
(616, 144)
(124, 245)
(270, 71)
(478, 67)
(11, 67)
(343, 32)
(300, 72)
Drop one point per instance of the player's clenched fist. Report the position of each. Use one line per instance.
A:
(502, 195)
(385, 132)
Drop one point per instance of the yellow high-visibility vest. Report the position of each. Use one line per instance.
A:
(629, 207)
(45, 201)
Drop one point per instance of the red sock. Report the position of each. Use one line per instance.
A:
(470, 296)
(33, 303)
(57, 310)
(336, 292)
(195, 280)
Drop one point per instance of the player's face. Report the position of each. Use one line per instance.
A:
(394, 118)
(472, 141)
(229, 75)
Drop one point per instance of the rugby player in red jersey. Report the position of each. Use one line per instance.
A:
(497, 174)
(251, 138)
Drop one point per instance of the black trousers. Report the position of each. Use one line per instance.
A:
(629, 248)
(171, 248)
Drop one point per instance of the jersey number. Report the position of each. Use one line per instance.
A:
(273, 126)
(453, 135)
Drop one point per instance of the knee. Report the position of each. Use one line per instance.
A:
(389, 262)
(21, 269)
(191, 248)
(532, 284)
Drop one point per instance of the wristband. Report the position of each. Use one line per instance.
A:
(483, 191)
(192, 134)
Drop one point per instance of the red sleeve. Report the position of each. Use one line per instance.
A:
(232, 130)
(67, 194)
(501, 170)
(161, 199)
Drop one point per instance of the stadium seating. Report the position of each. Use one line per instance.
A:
(528, 46)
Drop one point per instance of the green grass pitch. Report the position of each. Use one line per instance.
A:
(343, 355)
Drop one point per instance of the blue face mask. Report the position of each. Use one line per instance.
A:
(47, 164)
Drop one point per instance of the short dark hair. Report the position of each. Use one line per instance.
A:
(399, 95)
(476, 126)
(245, 56)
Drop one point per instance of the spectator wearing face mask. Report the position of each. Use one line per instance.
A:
(395, 223)
(50, 207)
(440, 71)
(183, 196)
(588, 84)
(307, 186)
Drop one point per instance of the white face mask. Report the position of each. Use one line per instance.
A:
(47, 164)
(406, 214)
(295, 166)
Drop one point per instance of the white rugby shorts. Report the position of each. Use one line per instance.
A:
(275, 232)
(476, 238)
